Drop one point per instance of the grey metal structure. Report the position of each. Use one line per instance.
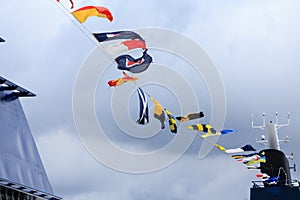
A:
(16, 191)
(21, 170)
(280, 186)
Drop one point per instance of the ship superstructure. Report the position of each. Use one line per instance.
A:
(22, 174)
(278, 183)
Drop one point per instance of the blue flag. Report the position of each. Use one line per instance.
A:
(127, 62)
(272, 180)
(248, 147)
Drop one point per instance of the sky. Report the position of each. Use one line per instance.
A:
(253, 44)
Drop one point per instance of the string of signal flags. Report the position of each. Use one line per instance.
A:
(130, 40)
(124, 42)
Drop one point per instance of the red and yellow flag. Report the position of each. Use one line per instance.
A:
(121, 81)
(83, 13)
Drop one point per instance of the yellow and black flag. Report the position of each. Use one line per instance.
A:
(172, 121)
(209, 130)
(206, 128)
(190, 116)
(159, 113)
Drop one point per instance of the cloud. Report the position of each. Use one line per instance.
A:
(254, 44)
(74, 174)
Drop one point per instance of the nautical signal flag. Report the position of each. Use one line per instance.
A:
(121, 81)
(206, 128)
(255, 158)
(190, 116)
(144, 110)
(172, 121)
(127, 62)
(247, 155)
(272, 180)
(248, 147)
(125, 46)
(83, 13)
(132, 41)
(263, 176)
(134, 44)
(209, 130)
(220, 147)
(159, 112)
(244, 148)
(117, 35)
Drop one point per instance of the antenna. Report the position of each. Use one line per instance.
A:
(263, 140)
(284, 125)
(286, 140)
(261, 126)
(271, 128)
(294, 167)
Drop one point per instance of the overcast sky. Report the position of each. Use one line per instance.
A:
(254, 45)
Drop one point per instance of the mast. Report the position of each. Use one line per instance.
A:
(271, 128)
(280, 185)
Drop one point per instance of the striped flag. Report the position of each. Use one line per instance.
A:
(172, 121)
(144, 110)
(209, 130)
(117, 35)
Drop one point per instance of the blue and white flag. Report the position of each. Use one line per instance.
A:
(144, 110)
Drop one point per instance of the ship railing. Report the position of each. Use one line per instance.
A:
(27, 190)
(262, 184)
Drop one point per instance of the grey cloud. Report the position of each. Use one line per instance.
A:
(68, 167)
(255, 46)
